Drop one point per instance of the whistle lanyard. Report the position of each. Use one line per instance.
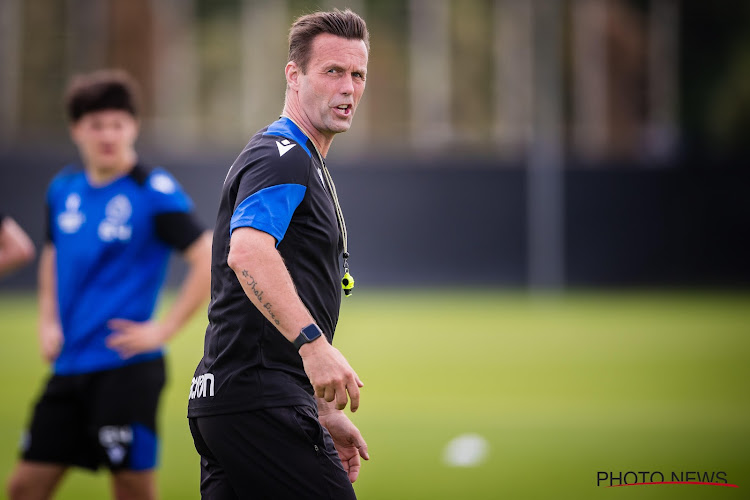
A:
(347, 282)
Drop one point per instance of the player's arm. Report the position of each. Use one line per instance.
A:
(266, 281)
(195, 288)
(133, 337)
(347, 439)
(16, 248)
(50, 330)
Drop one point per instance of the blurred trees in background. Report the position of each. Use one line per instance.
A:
(640, 81)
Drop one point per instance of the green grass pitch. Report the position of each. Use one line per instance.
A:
(561, 387)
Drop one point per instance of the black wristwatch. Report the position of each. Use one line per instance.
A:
(307, 334)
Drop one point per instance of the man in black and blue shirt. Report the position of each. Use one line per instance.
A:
(266, 401)
(111, 227)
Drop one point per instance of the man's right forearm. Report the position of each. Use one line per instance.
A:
(266, 281)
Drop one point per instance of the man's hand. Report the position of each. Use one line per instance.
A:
(132, 337)
(330, 374)
(50, 340)
(348, 441)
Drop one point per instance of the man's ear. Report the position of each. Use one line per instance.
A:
(292, 72)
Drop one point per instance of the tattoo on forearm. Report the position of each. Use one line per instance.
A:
(250, 281)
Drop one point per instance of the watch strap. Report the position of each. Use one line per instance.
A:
(307, 334)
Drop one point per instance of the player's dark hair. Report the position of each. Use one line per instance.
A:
(345, 24)
(101, 90)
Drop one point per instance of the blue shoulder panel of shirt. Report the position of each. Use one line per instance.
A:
(269, 210)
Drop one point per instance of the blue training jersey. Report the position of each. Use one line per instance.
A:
(113, 244)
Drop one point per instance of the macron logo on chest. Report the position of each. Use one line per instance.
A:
(284, 145)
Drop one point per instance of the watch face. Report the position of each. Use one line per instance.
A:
(311, 332)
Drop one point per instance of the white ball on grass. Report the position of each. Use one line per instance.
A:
(466, 450)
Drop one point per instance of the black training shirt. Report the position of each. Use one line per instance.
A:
(275, 185)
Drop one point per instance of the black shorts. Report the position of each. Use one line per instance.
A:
(273, 453)
(102, 418)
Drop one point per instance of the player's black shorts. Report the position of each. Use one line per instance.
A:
(273, 453)
(102, 418)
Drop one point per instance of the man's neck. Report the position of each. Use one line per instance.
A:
(100, 176)
(320, 141)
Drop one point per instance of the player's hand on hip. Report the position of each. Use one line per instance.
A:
(330, 374)
(50, 340)
(133, 337)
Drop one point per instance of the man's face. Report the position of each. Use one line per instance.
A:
(105, 138)
(334, 82)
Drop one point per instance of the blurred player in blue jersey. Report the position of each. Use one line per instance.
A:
(111, 226)
(16, 248)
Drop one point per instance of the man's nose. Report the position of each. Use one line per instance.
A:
(347, 85)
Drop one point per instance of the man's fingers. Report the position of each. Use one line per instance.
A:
(362, 448)
(118, 324)
(51, 348)
(120, 345)
(114, 340)
(354, 395)
(119, 340)
(330, 393)
(123, 344)
(49, 353)
(353, 471)
(333, 379)
(341, 399)
(320, 391)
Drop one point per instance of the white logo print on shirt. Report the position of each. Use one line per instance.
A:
(284, 145)
(163, 183)
(200, 384)
(71, 219)
(117, 213)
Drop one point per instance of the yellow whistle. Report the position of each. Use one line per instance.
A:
(347, 283)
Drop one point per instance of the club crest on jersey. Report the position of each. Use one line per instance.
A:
(71, 219)
(115, 224)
